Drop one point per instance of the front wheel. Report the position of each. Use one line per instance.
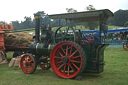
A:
(68, 59)
(28, 64)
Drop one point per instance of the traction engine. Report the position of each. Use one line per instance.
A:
(65, 50)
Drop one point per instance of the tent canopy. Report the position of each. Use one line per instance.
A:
(85, 16)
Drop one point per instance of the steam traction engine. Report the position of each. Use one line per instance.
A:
(65, 50)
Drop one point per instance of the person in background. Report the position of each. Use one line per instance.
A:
(127, 37)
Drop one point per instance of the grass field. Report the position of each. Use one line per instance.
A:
(83, 28)
(115, 73)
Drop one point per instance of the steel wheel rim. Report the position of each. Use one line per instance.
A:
(67, 69)
(59, 29)
(30, 67)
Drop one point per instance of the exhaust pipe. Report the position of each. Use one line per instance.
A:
(37, 27)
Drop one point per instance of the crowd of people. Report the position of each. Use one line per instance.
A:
(118, 36)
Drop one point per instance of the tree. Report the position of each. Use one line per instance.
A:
(3, 22)
(16, 25)
(90, 8)
(120, 18)
(126, 24)
(44, 18)
(27, 23)
(71, 10)
(91, 25)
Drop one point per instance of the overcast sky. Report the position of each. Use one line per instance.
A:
(12, 10)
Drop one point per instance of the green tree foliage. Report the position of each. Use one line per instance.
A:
(16, 25)
(30, 23)
(26, 24)
(120, 18)
(44, 18)
(126, 24)
(91, 25)
(71, 10)
(3, 22)
(90, 8)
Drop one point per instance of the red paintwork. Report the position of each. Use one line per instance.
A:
(125, 45)
(71, 68)
(27, 69)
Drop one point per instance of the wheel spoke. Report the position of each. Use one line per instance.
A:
(64, 68)
(68, 69)
(75, 61)
(32, 64)
(59, 62)
(30, 61)
(25, 67)
(60, 54)
(24, 63)
(67, 50)
(75, 66)
(62, 50)
(71, 67)
(76, 57)
(71, 50)
(56, 57)
(26, 59)
(30, 67)
(73, 53)
(61, 66)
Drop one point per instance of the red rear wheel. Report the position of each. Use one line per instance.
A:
(125, 45)
(68, 59)
(45, 65)
(28, 64)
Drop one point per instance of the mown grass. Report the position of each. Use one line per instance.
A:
(115, 73)
(82, 28)
(114, 27)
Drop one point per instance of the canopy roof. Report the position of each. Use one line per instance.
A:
(85, 16)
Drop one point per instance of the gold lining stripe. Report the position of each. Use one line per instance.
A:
(49, 48)
(36, 16)
(36, 47)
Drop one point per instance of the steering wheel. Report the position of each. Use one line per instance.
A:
(64, 34)
(90, 39)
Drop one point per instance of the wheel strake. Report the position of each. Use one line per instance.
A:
(68, 59)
